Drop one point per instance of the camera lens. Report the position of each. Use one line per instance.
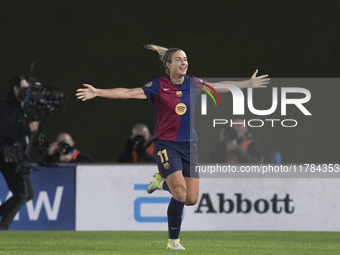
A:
(139, 140)
(64, 148)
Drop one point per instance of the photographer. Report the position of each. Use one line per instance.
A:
(139, 147)
(63, 151)
(237, 145)
(13, 128)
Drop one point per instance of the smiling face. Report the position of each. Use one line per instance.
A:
(178, 64)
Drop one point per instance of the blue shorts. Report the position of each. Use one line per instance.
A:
(175, 156)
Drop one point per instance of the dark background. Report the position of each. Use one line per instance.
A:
(101, 43)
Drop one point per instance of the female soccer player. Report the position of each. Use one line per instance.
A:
(173, 97)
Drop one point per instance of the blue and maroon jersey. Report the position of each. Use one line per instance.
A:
(173, 108)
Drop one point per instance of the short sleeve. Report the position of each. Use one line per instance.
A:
(202, 84)
(151, 89)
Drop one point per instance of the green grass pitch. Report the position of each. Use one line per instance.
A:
(198, 242)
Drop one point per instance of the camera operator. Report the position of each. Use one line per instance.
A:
(13, 128)
(63, 151)
(237, 145)
(139, 147)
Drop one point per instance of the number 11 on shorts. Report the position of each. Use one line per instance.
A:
(161, 156)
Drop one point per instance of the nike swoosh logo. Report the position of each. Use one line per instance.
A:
(166, 89)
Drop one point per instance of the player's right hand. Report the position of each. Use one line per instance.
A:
(87, 93)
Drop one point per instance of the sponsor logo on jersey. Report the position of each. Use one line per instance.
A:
(166, 89)
(179, 93)
(181, 109)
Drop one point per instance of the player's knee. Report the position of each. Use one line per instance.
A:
(191, 201)
(179, 192)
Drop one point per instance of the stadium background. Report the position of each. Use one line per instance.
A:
(101, 43)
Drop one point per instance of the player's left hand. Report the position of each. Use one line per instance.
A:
(260, 81)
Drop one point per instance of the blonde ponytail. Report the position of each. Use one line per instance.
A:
(161, 50)
(164, 54)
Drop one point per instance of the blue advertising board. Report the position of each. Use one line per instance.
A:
(53, 205)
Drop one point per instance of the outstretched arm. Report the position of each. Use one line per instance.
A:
(254, 82)
(117, 93)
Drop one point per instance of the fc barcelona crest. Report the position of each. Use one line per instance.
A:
(166, 165)
(179, 93)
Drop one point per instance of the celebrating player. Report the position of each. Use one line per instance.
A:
(173, 97)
